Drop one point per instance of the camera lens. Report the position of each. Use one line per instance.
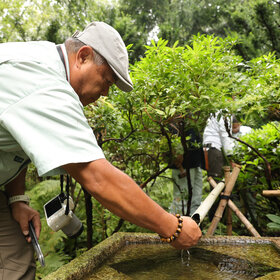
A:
(74, 228)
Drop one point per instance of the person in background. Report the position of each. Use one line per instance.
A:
(217, 145)
(42, 93)
(194, 161)
(238, 129)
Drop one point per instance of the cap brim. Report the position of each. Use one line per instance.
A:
(122, 83)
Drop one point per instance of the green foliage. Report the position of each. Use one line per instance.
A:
(262, 99)
(30, 20)
(161, 190)
(55, 21)
(275, 222)
(187, 80)
(266, 141)
(254, 22)
(255, 176)
(32, 177)
(41, 20)
(42, 193)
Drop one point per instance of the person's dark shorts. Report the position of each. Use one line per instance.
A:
(215, 162)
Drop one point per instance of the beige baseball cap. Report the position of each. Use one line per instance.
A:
(104, 39)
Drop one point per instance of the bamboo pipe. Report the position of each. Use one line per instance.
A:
(205, 206)
(270, 193)
(228, 211)
(223, 202)
(226, 173)
(237, 212)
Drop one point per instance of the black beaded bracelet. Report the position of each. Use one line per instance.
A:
(176, 234)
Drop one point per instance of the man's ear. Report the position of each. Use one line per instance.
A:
(84, 55)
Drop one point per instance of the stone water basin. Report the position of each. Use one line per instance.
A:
(142, 256)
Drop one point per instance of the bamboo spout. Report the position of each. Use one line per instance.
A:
(205, 206)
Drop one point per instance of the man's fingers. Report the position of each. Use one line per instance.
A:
(25, 230)
(37, 225)
(24, 226)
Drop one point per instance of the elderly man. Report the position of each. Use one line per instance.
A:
(43, 90)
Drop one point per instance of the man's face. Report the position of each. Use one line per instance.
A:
(235, 127)
(90, 80)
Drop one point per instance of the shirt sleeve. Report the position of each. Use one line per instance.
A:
(51, 128)
(227, 142)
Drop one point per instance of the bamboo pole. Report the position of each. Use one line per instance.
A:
(227, 173)
(237, 212)
(205, 206)
(270, 193)
(223, 202)
(228, 210)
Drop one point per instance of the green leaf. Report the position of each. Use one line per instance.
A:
(161, 113)
(274, 218)
(273, 226)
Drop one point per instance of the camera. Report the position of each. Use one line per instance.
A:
(57, 218)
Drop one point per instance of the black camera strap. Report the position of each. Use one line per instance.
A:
(61, 183)
(67, 190)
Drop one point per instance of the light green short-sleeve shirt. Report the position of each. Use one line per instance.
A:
(41, 116)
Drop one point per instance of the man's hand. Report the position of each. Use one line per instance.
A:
(178, 161)
(22, 213)
(189, 235)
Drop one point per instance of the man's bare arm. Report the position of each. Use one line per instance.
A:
(17, 185)
(122, 196)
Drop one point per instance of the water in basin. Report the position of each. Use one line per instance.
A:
(160, 261)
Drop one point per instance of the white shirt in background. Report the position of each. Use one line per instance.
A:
(242, 131)
(215, 134)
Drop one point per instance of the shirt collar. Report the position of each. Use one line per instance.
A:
(65, 61)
